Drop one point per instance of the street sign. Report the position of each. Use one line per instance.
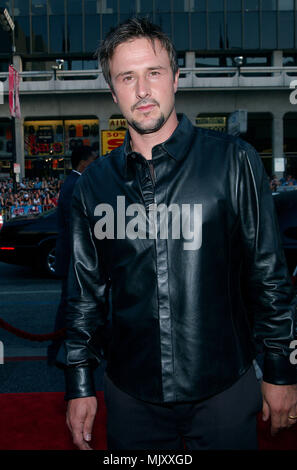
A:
(216, 123)
(14, 92)
(117, 123)
(16, 168)
(6, 20)
(9, 19)
(279, 164)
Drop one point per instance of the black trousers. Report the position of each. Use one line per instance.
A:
(224, 421)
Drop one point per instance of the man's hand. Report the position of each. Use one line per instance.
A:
(279, 402)
(80, 417)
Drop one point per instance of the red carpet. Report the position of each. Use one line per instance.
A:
(36, 421)
(284, 440)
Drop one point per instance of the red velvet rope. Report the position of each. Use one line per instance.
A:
(49, 336)
(31, 336)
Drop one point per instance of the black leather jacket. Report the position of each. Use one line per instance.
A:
(187, 317)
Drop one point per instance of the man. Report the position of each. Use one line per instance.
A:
(37, 184)
(177, 221)
(80, 160)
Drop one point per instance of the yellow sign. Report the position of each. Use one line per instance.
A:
(117, 123)
(217, 123)
(111, 140)
(60, 137)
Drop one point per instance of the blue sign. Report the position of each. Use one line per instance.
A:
(17, 211)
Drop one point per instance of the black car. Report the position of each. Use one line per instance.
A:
(31, 241)
(286, 207)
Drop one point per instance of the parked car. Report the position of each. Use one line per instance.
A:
(286, 207)
(31, 241)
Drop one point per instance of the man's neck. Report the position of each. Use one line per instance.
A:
(143, 143)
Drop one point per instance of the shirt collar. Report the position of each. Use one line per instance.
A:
(180, 140)
(176, 146)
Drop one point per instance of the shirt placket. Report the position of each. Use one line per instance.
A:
(154, 194)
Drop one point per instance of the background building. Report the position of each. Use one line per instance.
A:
(65, 107)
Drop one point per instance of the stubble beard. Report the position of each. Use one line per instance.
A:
(142, 129)
(157, 124)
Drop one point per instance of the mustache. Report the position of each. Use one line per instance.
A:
(144, 102)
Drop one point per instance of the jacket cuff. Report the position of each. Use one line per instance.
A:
(79, 382)
(278, 370)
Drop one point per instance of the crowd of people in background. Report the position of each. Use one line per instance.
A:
(276, 184)
(34, 195)
(41, 194)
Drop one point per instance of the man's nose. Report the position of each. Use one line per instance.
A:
(142, 88)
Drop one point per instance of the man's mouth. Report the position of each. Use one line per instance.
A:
(145, 108)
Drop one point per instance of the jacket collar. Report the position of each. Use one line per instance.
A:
(176, 146)
(179, 142)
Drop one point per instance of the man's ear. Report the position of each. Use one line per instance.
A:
(175, 82)
(113, 95)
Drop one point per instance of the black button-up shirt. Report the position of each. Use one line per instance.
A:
(196, 288)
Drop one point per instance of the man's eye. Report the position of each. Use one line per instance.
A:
(155, 72)
(128, 78)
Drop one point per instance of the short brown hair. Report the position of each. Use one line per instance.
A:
(129, 30)
(80, 153)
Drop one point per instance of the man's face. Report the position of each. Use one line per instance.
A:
(143, 84)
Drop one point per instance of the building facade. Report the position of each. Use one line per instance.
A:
(233, 55)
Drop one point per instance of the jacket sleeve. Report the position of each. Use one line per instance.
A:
(87, 306)
(271, 301)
